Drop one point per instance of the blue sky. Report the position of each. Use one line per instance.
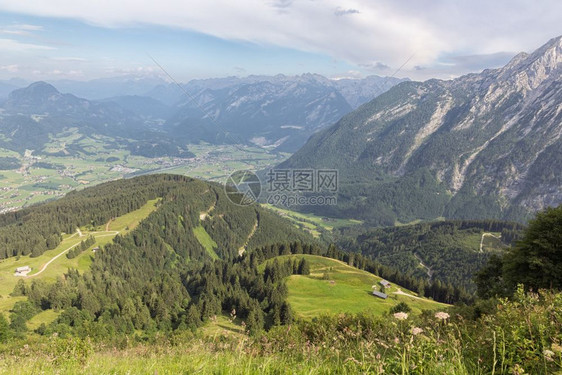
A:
(63, 39)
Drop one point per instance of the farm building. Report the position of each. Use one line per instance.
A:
(22, 271)
(379, 294)
(385, 283)
(95, 249)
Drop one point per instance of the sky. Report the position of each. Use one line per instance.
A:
(418, 39)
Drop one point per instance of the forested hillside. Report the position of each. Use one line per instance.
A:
(448, 251)
(196, 256)
(113, 319)
(35, 229)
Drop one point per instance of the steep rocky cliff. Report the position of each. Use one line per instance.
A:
(486, 144)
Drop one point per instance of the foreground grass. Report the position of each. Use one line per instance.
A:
(196, 358)
(520, 336)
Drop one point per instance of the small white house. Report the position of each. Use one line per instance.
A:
(385, 283)
(22, 271)
(382, 295)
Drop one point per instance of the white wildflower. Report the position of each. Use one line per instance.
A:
(401, 315)
(442, 315)
(416, 331)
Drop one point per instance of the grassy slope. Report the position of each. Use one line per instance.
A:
(311, 222)
(348, 289)
(206, 241)
(122, 224)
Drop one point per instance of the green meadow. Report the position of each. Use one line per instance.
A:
(333, 287)
(61, 264)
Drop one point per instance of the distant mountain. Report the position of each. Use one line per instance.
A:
(360, 91)
(280, 112)
(275, 113)
(44, 101)
(146, 107)
(34, 115)
(103, 88)
(482, 145)
(6, 87)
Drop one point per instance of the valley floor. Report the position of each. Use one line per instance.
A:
(44, 177)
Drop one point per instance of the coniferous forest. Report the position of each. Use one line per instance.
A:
(158, 286)
(161, 278)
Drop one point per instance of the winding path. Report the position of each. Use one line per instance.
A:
(203, 215)
(400, 292)
(242, 249)
(428, 270)
(107, 225)
(107, 233)
(487, 234)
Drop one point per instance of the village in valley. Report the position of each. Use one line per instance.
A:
(43, 176)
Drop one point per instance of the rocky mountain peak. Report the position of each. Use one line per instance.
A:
(531, 70)
(36, 91)
(490, 141)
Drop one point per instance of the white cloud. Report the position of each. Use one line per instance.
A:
(69, 59)
(11, 45)
(15, 32)
(363, 32)
(65, 73)
(27, 27)
(13, 68)
(20, 29)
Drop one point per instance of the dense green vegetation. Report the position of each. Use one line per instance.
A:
(84, 245)
(158, 286)
(449, 250)
(535, 261)
(160, 276)
(517, 336)
(37, 229)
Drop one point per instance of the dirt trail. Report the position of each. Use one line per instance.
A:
(79, 232)
(400, 292)
(242, 249)
(428, 270)
(203, 215)
(487, 234)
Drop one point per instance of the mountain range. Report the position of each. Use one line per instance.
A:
(32, 117)
(278, 112)
(482, 145)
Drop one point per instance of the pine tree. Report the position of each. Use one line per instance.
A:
(304, 267)
(536, 260)
(4, 329)
(286, 313)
